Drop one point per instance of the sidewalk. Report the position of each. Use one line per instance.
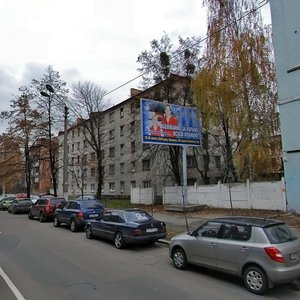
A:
(178, 223)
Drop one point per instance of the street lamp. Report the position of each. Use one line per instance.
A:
(65, 150)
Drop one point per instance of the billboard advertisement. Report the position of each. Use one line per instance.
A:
(165, 123)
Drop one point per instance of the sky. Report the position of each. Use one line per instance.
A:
(87, 40)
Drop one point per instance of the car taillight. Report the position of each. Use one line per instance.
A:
(274, 254)
(47, 208)
(137, 232)
(80, 215)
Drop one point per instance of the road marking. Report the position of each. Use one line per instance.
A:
(11, 285)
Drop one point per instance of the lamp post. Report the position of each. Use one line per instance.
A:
(65, 149)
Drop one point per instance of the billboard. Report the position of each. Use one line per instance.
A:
(165, 123)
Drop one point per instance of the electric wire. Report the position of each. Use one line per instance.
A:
(260, 5)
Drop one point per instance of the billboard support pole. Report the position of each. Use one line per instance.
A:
(184, 170)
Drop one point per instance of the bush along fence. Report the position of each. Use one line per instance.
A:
(248, 195)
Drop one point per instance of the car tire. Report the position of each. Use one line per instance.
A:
(30, 216)
(88, 232)
(41, 217)
(56, 222)
(119, 240)
(255, 280)
(179, 259)
(73, 225)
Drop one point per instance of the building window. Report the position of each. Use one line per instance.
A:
(122, 167)
(133, 166)
(78, 145)
(93, 156)
(122, 130)
(84, 173)
(112, 187)
(111, 169)
(112, 152)
(205, 141)
(133, 184)
(218, 161)
(102, 171)
(122, 149)
(72, 161)
(93, 187)
(132, 147)
(122, 112)
(122, 186)
(85, 143)
(146, 164)
(93, 172)
(146, 184)
(84, 159)
(78, 132)
(146, 146)
(85, 187)
(111, 117)
(102, 154)
(73, 133)
(132, 127)
(112, 134)
(191, 161)
(78, 160)
(73, 147)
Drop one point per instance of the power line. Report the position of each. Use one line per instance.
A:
(260, 5)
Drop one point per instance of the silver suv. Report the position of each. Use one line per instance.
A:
(264, 252)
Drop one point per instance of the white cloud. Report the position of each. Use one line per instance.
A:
(96, 40)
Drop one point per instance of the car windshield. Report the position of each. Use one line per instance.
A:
(137, 216)
(279, 234)
(90, 204)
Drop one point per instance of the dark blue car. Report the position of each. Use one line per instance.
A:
(128, 226)
(77, 212)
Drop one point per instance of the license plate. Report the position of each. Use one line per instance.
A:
(294, 256)
(151, 230)
(93, 216)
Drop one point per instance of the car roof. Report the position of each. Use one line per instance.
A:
(125, 210)
(245, 220)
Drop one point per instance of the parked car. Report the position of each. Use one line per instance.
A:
(128, 226)
(76, 212)
(44, 208)
(6, 202)
(20, 206)
(263, 252)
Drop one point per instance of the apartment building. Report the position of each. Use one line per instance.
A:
(126, 162)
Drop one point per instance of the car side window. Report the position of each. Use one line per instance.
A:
(106, 217)
(235, 232)
(210, 229)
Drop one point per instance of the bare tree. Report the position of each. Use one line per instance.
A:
(87, 102)
(50, 103)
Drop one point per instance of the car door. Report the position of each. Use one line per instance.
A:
(99, 226)
(202, 247)
(34, 208)
(234, 246)
(66, 212)
(112, 225)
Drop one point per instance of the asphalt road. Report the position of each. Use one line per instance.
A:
(44, 262)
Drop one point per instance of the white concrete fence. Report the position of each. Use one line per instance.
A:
(249, 195)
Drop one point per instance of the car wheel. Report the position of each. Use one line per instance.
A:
(73, 225)
(56, 223)
(41, 217)
(179, 259)
(255, 280)
(119, 240)
(30, 216)
(88, 232)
